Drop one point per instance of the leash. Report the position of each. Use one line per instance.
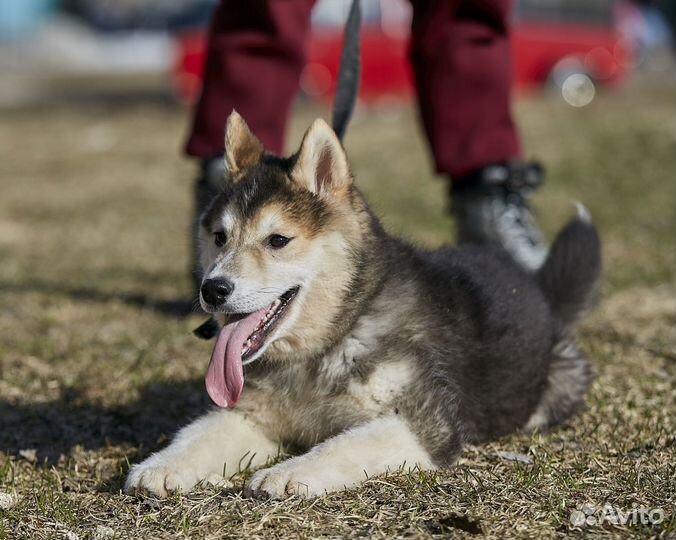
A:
(347, 85)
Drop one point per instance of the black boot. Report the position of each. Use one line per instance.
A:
(491, 208)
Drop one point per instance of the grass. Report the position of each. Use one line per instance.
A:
(98, 366)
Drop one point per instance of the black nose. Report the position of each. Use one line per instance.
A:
(215, 291)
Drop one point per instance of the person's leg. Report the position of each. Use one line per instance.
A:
(461, 61)
(460, 52)
(254, 60)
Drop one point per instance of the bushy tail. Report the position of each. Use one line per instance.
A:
(570, 274)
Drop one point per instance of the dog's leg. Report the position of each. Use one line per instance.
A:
(207, 449)
(345, 460)
(567, 383)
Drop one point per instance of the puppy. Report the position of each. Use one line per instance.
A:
(367, 353)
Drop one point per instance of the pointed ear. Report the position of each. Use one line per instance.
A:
(242, 148)
(321, 165)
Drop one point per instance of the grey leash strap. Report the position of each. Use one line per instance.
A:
(347, 86)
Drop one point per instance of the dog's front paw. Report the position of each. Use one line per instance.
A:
(277, 482)
(296, 476)
(163, 475)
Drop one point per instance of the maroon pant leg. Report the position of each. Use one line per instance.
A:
(254, 60)
(460, 53)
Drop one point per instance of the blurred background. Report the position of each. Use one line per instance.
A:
(95, 104)
(56, 49)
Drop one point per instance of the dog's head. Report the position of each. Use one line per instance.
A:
(277, 243)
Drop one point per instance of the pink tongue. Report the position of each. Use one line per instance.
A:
(225, 376)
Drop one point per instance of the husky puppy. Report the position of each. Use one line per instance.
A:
(362, 350)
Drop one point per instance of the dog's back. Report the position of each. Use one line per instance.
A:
(520, 366)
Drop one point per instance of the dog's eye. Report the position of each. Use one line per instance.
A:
(278, 241)
(219, 238)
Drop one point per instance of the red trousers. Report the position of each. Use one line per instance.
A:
(459, 51)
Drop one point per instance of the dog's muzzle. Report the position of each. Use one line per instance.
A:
(216, 291)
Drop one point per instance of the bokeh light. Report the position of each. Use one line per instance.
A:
(578, 90)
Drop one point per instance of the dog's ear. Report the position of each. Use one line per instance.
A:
(242, 148)
(321, 164)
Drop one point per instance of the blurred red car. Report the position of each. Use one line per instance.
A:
(551, 41)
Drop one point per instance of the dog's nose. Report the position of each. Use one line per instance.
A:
(215, 291)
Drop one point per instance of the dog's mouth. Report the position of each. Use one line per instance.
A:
(240, 340)
(273, 314)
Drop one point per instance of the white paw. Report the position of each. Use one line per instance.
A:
(297, 476)
(163, 474)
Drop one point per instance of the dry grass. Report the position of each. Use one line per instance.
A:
(98, 367)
